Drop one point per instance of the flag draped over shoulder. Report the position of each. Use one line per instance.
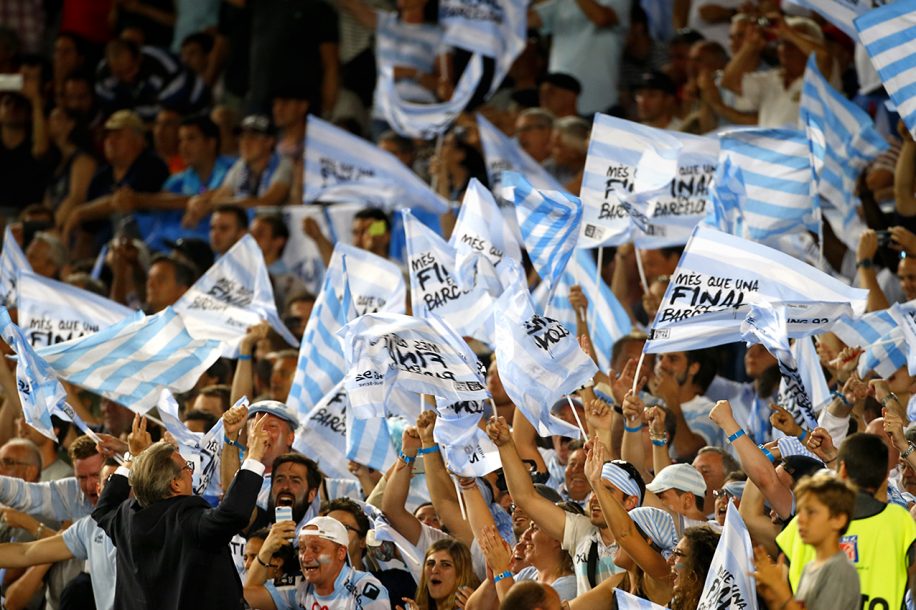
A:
(384, 351)
(887, 34)
(539, 359)
(842, 141)
(731, 573)
(494, 29)
(608, 320)
(341, 167)
(434, 288)
(321, 363)
(232, 295)
(12, 260)
(131, 361)
(720, 276)
(51, 312)
(549, 223)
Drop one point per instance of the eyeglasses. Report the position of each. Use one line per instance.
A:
(10, 462)
(350, 528)
(721, 493)
(189, 466)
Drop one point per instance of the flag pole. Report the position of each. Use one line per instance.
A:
(642, 272)
(576, 415)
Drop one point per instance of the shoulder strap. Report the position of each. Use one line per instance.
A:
(591, 565)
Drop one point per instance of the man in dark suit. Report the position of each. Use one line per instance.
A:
(173, 549)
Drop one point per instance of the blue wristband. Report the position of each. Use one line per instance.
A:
(659, 443)
(228, 441)
(244, 356)
(736, 435)
(803, 436)
(767, 453)
(501, 576)
(842, 398)
(427, 450)
(633, 429)
(406, 458)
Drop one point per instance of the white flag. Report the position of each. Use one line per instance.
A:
(730, 584)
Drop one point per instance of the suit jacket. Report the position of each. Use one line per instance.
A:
(174, 554)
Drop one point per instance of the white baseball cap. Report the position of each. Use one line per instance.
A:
(682, 477)
(277, 409)
(328, 528)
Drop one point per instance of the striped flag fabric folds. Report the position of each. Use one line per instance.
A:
(889, 36)
(549, 222)
(12, 260)
(132, 361)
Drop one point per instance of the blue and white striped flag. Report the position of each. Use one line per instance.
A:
(842, 141)
(841, 13)
(467, 449)
(40, 392)
(321, 363)
(502, 154)
(719, 273)
(406, 45)
(861, 331)
(494, 29)
(885, 355)
(608, 320)
(434, 289)
(628, 601)
(726, 194)
(539, 359)
(12, 260)
(481, 237)
(425, 121)
(384, 351)
(341, 167)
(776, 169)
(549, 222)
(731, 573)
(322, 435)
(906, 319)
(887, 34)
(50, 312)
(232, 295)
(375, 283)
(301, 256)
(132, 361)
(369, 442)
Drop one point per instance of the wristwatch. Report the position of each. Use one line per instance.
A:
(909, 450)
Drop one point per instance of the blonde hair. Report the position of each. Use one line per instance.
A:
(464, 573)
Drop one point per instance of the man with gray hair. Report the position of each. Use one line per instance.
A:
(173, 549)
(568, 149)
(533, 130)
(46, 255)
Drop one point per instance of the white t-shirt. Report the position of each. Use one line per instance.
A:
(777, 106)
(696, 413)
(578, 536)
(711, 31)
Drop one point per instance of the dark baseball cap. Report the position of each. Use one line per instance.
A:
(561, 80)
(196, 251)
(656, 80)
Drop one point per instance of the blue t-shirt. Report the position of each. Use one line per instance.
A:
(353, 590)
(565, 586)
(86, 540)
(157, 226)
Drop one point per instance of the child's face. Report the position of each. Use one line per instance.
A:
(815, 524)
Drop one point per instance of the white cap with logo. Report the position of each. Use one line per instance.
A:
(328, 528)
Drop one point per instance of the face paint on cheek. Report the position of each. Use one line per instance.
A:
(324, 560)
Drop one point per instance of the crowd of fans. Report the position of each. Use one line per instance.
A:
(144, 138)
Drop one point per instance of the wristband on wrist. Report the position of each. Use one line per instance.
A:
(244, 356)
(406, 458)
(661, 441)
(501, 576)
(258, 557)
(803, 436)
(627, 428)
(427, 450)
(229, 441)
(732, 438)
(767, 453)
(890, 396)
(864, 264)
(842, 398)
(909, 450)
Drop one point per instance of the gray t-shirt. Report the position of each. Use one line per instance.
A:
(833, 584)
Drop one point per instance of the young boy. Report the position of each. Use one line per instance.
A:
(830, 581)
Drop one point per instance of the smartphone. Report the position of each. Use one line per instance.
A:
(283, 513)
(10, 82)
(884, 237)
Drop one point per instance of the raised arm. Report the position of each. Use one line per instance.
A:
(625, 533)
(868, 275)
(745, 60)
(397, 488)
(905, 175)
(441, 489)
(256, 594)
(753, 462)
(243, 379)
(547, 515)
(524, 437)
